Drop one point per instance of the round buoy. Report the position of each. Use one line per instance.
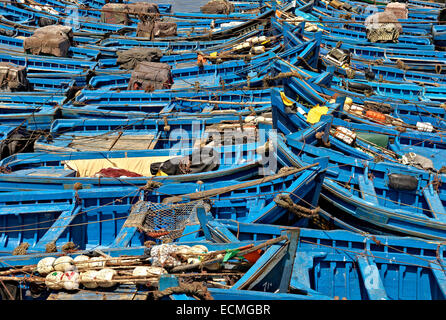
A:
(54, 280)
(64, 264)
(45, 265)
(88, 279)
(104, 277)
(81, 262)
(70, 280)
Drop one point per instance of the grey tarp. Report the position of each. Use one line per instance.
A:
(128, 59)
(149, 76)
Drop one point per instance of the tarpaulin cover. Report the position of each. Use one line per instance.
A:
(156, 29)
(149, 76)
(417, 161)
(13, 77)
(89, 167)
(201, 160)
(52, 40)
(218, 7)
(115, 13)
(128, 59)
(402, 181)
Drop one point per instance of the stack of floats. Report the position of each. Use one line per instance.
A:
(253, 150)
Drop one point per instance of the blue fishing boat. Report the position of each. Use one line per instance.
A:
(321, 254)
(136, 133)
(304, 121)
(42, 171)
(178, 108)
(371, 194)
(270, 268)
(371, 263)
(96, 217)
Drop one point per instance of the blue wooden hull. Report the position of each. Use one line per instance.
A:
(31, 171)
(321, 260)
(372, 202)
(95, 217)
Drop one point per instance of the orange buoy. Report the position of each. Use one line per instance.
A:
(374, 115)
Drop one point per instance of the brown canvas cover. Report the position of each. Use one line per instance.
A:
(13, 77)
(50, 40)
(382, 27)
(398, 9)
(156, 29)
(115, 13)
(142, 8)
(149, 76)
(145, 29)
(128, 59)
(218, 7)
(164, 29)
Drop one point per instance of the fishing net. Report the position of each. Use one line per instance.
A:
(164, 221)
(382, 27)
(398, 9)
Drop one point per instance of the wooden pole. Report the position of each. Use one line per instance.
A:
(213, 192)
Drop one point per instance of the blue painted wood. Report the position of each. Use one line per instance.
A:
(367, 190)
(303, 262)
(59, 226)
(372, 279)
(439, 275)
(435, 204)
(293, 236)
(204, 218)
